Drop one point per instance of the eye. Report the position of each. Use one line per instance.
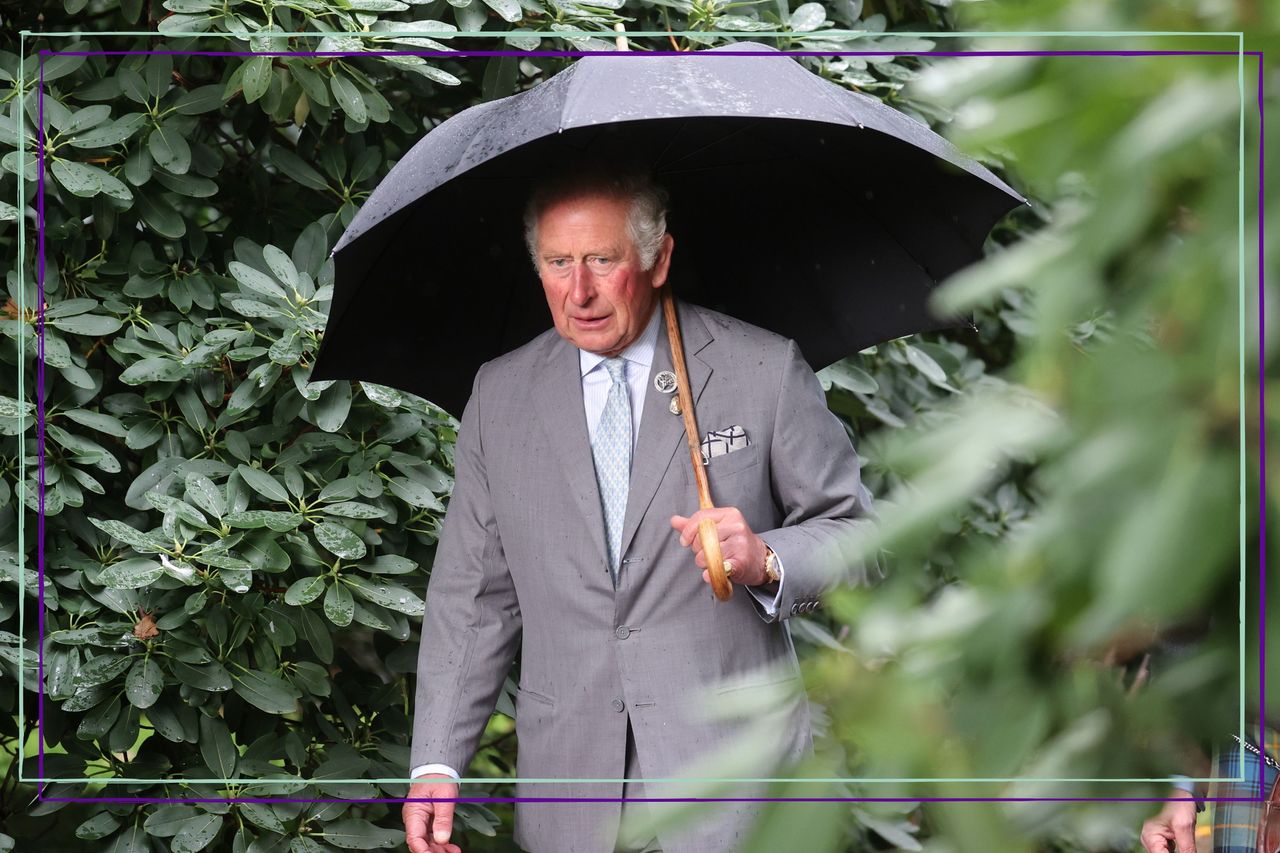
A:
(600, 261)
(557, 263)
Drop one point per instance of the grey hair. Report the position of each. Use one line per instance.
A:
(646, 219)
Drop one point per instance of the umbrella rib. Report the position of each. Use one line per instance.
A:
(722, 139)
(680, 129)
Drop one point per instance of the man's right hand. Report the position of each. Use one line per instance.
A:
(427, 825)
(1176, 823)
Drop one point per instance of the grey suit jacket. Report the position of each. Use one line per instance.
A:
(521, 559)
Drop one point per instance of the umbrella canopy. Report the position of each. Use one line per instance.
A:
(796, 205)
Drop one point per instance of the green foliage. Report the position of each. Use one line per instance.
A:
(235, 555)
(1064, 593)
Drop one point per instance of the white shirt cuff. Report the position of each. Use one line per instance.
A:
(770, 602)
(426, 769)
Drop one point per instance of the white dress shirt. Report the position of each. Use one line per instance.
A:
(595, 391)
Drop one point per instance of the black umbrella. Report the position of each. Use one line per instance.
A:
(778, 180)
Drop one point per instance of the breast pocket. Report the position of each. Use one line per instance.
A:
(728, 464)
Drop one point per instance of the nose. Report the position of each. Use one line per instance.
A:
(581, 290)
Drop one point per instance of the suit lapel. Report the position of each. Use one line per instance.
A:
(558, 397)
(662, 433)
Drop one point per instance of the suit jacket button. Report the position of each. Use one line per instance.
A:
(623, 632)
(619, 705)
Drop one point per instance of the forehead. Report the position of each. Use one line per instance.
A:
(584, 216)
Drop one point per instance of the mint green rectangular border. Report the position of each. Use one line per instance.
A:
(860, 34)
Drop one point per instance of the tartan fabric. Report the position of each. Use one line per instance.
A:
(1235, 825)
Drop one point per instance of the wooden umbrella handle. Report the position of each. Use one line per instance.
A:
(720, 584)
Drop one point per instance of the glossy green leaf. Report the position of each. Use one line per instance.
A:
(256, 281)
(338, 605)
(161, 216)
(201, 99)
(132, 573)
(153, 369)
(197, 834)
(101, 670)
(807, 17)
(98, 826)
(204, 494)
(333, 407)
(340, 540)
(167, 820)
(144, 683)
(360, 834)
(263, 816)
(386, 594)
(354, 509)
(169, 149)
(304, 591)
(317, 635)
(132, 839)
(508, 10)
(111, 134)
(390, 564)
(87, 180)
(414, 493)
(217, 748)
(267, 692)
(212, 676)
(263, 483)
(257, 77)
(348, 97)
(281, 265)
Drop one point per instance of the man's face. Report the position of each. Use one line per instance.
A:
(599, 296)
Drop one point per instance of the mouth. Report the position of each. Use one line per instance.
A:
(591, 322)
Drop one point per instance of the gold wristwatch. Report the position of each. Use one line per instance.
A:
(771, 565)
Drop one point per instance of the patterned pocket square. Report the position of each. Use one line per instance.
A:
(718, 442)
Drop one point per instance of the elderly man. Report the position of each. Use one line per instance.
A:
(566, 535)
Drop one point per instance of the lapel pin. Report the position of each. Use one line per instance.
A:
(674, 405)
(665, 382)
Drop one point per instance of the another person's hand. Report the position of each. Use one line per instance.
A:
(737, 543)
(427, 826)
(1175, 825)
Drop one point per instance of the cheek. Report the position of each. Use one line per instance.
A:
(555, 295)
(620, 290)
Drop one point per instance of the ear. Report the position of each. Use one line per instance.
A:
(662, 264)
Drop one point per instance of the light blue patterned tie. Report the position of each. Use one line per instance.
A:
(612, 452)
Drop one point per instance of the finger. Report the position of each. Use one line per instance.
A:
(442, 826)
(689, 531)
(1185, 836)
(415, 818)
(415, 834)
(706, 576)
(447, 847)
(1154, 840)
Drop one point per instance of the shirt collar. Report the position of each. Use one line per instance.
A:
(640, 351)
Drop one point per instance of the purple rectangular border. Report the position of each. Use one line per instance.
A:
(40, 535)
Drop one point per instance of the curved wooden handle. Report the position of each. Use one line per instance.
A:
(720, 584)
